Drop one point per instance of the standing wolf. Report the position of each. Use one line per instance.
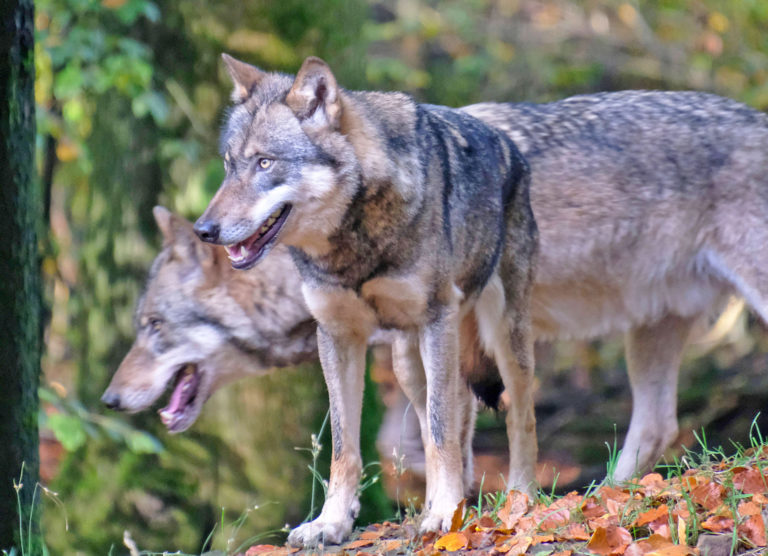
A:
(399, 216)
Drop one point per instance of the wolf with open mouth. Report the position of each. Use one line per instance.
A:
(399, 216)
(201, 324)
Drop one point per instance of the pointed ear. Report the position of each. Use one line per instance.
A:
(163, 217)
(315, 93)
(244, 77)
(179, 235)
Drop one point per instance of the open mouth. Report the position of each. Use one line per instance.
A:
(187, 383)
(246, 253)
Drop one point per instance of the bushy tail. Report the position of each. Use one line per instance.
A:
(477, 368)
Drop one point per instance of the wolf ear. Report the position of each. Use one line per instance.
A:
(179, 235)
(244, 77)
(315, 93)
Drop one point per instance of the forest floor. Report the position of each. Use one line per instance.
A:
(715, 506)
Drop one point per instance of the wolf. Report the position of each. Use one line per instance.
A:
(200, 325)
(631, 194)
(400, 216)
(652, 209)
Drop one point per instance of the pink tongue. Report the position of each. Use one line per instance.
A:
(183, 392)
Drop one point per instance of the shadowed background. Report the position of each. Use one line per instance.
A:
(130, 96)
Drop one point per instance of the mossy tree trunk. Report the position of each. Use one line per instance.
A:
(20, 301)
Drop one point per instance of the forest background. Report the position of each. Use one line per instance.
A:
(130, 96)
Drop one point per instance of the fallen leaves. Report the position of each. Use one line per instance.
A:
(651, 516)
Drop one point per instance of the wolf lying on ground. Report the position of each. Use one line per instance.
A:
(651, 212)
(400, 216)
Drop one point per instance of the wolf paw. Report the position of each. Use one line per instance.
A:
(320, 531)
(437, 519)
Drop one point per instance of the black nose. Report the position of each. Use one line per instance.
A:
(207, 230)
(111, 400)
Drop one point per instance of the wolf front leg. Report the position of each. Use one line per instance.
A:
(343, 361)
(438, 343)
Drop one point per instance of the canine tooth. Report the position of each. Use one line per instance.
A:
(243, 252)
(166, 416)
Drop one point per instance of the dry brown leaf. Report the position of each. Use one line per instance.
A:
(760, 498)
(749, 508)
(574, 532)
(718, 524)
(562, 553)
(656, 545)
(654, 484)
(652, 515)
(261, 549)
(708, 494)
(516, 547)
(371, 535)
(393, 544)
(591, 508)
(753, 529)
(556, 519)
(610, 540)
(513, 509)
(360, 543)
(541, 538)
(458, 516)
(455, 540)
(750, 481)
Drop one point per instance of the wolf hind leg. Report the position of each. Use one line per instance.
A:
(653, 353)
(506, 332)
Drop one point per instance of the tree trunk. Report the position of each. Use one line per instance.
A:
(20, 293)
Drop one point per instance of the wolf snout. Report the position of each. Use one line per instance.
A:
(111, 399)
(207, 230)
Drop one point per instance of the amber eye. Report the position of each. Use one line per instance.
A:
(265, 163)
(155, 323)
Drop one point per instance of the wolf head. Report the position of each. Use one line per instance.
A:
(286, 163)
(200, 325)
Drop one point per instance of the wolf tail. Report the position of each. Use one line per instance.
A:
(477, 368)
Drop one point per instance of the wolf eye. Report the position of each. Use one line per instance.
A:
(265, 163)
(155, 324)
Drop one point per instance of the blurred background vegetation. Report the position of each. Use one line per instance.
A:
(130, 97)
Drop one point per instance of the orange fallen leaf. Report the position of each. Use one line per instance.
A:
(749, 508)
(750, 481)
(393, 544)
(718, 524)
(555, 519)
(513, 509)
(562, 553)
(753, 529)
(656, 545)
(452, 541)
(610, 540)
(538, 539)
(574, 532)
(591, 508)
(652, 515)
(372, 535)
(260, 549)
(458, 516)
(709, 495)
(360, 543)
(516, 547)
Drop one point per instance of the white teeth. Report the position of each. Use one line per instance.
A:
(276, 213)
(271, 220)
(166, 416)
(243, 252)
(185, 387)
(264, 229)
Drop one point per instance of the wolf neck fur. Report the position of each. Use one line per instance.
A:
(379, 182)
